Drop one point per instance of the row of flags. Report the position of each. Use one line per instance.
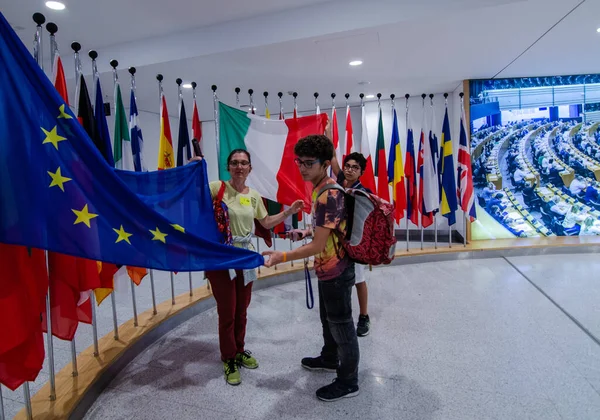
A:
(423, 183)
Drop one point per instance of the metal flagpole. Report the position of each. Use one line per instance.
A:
(93, 55)
(280, 95)
(27, 396)
(441, 157)
(251, 93)
(407, 187)
(39, 19)
(2, 417)
(189, 272)
(266, 95)
(462, 114)
(216, 116)
(435, 163)
(76, 47)
(421, 200)
(113, 300)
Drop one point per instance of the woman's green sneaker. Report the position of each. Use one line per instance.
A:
(245, 359)
(232, 373)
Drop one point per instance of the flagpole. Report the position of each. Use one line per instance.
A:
(304, 241)
(407, 188)
(266, 95)
(38, 44)
(113, 300)
(434, 213)
(462, 112)
(76, 47)
(251, 93)
(39, 19)
(132, 71)
(280, 95)
(52, 29)
(2, 417)
(423, 96)
(93, 55)
(27, 396)
(449, 226)
(216, 116)
(159, 77)
(180, 97)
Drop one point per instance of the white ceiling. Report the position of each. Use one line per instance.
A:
(305, 45)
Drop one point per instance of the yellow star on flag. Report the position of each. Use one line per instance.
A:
(178, 227)
(58, 180)
(63, 114)
(159, 236)
(52, 137)
(123, 236)
(84, 216)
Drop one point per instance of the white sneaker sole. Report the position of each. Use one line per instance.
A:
(319, 369)
(350, 395)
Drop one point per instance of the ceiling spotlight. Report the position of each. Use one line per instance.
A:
(355, 63)
(55, 5)
(369, 96)
(598, 30)
(187, 85)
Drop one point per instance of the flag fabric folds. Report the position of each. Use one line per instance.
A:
(196, 125)
(383, 189)
(349, 135)
(465, 174)
(99, 127)
(426, 175)
(166, 158)
(335, 134)
(396, 172)
(448, 203)
(368, 176)
(271, 143)
(432, 199)
(410, 173)
(51, 195)
(184, 147)
(123, 150)
(137, 141)
(24, 283)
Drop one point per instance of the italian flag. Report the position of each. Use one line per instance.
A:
(271, 144)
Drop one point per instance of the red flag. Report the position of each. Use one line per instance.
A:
(23, 286)
(383, 189)
(196, 125)
(349, 134)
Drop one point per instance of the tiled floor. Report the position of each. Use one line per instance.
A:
(470, 339)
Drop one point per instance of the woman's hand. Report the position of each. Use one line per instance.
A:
(295, 207)
(275, 257)
(196, 159)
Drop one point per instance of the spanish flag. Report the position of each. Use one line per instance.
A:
(165, 146)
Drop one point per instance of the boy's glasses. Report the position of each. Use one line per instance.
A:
(306, 163)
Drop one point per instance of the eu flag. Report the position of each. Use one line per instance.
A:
(58, 193)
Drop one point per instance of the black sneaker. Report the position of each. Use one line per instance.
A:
(336, 391)
(317, 363)
(362, 328)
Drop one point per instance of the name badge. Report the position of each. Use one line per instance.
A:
(245, 201)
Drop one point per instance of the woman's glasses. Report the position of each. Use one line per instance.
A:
(242, 163)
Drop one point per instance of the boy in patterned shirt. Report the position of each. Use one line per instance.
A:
(333, 267)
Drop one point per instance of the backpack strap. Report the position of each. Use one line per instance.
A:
(221, 193)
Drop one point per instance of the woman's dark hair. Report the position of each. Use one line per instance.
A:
(317, 146)
(359, 158)
(238, 151)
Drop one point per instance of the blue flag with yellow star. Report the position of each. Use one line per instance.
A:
(58, 193)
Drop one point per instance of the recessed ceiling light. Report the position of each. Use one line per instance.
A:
(55, 5)
(598, 30)
(355, 63)
(187, 85)
(370, 96)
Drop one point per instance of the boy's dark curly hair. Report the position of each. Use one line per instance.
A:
(317, 146)
(359, 158)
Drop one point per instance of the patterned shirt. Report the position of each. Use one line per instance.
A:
(329, 211)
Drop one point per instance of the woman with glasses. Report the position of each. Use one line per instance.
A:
(354, 166)
(232, 288)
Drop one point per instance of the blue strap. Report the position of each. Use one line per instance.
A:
(310, 299)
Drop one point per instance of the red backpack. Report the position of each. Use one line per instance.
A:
(222, 216)
(370, 235)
